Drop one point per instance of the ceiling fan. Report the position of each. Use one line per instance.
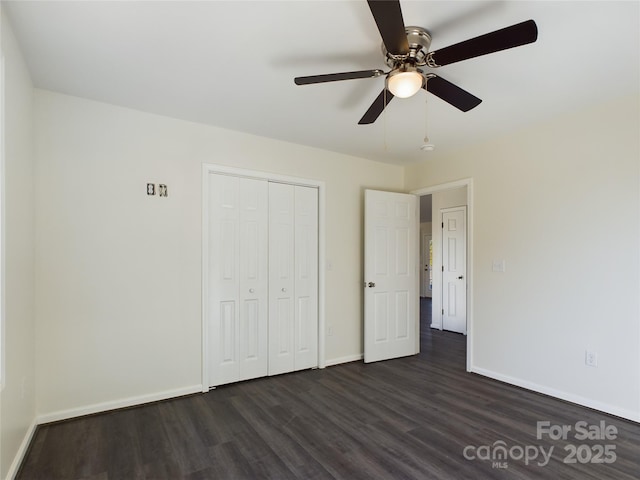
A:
(407, 48)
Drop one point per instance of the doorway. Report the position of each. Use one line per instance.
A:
(457, 194)
(426, 248)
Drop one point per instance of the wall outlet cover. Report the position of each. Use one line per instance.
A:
(591, 358)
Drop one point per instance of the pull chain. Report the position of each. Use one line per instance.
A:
(384, 118)
(427, 146)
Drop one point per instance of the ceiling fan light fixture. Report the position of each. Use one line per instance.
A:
(405, 82)
(405, 49)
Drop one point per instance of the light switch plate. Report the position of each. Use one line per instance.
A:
(498, 266)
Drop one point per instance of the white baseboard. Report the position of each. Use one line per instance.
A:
(22, 451)
(115, 404)
(569, 397)
(347, 359)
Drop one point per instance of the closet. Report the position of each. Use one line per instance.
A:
(262, 289)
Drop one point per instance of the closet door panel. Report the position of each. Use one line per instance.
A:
(224, 280)
(281, 278)
(262, 278)
(306, 278)
(253, 265)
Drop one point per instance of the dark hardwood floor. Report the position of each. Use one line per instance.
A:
(411, 418)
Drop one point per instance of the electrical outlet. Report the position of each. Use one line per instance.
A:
(591, 358)
(151, 189)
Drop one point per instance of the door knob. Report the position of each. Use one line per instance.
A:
(251, 290)
(372, 284)
(284, 290)
(460, 277)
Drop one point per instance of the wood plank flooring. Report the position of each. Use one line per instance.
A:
(409, 418)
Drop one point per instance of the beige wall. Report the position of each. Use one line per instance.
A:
(17, 401)
(560, 203)
(119, 273)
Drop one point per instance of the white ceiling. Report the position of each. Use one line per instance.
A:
(232, 64)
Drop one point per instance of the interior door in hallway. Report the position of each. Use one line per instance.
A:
(454, 269)
(391, 264)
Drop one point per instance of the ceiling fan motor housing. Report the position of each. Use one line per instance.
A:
(419, 42)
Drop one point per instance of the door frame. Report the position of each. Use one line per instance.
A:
(465, 182)
(209, 168)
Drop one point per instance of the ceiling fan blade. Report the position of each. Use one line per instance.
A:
(388, 17)
(334, 77)
(452, 94)
(503, 39)
(376, 107)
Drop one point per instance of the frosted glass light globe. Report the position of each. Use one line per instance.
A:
(404, 83)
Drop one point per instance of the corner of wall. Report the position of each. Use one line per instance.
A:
(17, 399)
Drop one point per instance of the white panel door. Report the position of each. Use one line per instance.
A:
(281, 278)
(254, 281)
(391, 265)
(237, 279)
(454, 269)
(224, 279)
(306, 278)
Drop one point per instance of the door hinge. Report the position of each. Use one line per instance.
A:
(443, 268)
(442, 224)
(443, 311)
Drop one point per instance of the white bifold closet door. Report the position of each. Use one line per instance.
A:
(293, 278)
(238, 279)
(262, 278)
